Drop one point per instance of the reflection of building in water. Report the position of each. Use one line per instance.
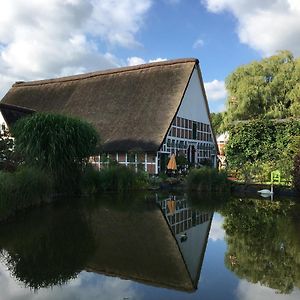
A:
(180, 216)
(134, 242)
(191, 229)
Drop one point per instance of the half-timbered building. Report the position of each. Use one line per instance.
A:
(143, 113)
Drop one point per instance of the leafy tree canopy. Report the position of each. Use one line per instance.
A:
(217, 122)
(270, 88)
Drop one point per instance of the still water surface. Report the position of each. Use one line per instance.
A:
(153, 246)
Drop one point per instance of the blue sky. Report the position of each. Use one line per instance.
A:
(65, 37)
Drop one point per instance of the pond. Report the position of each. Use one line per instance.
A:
(153, 246)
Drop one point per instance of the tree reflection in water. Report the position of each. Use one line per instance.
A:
(48, 250)
(120, 236)
(263, 242)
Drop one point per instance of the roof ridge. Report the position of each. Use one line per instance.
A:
(106, 72)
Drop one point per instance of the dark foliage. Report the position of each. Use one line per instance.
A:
(9, 159)
(26, 187)
(261, 243)
(296, 172)
(48, 253)
(207, 180)
(113, 178)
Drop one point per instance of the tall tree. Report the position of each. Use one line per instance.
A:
(217, 122)
(269, 88)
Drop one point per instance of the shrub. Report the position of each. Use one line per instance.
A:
(113, 178)
(90, 181)
(207, 179)
(26, 187)
(121, 178)
(58, 144)
(8, 159)
(257, 147)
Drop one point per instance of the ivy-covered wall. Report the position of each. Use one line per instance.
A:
(257, 147)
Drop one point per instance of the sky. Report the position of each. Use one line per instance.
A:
(42, 39)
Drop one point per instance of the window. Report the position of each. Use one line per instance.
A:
(141, 157)
(150, 158)
(131, 157)
(182, 133)
(194, 130)
(178, 121)
(121, 157)
(173, 131)
(186, 123)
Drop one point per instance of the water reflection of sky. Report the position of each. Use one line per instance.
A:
(217, 231)
(250, 291)
(85, 286)
(216, 282)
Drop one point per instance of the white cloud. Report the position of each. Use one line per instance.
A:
(157, 60)
(217, 231)
(249, 291)
(266, 26)
(86, 286)
(135, 60)
(118, 21)
(215, 90)
(64, 36)
(198, 44)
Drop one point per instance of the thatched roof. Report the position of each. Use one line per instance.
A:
(13, 113)
(132, 108)
(138, 245)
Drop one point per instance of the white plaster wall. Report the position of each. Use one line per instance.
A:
(2, 121)
(193, 104)
(194, 247)
(1, 118)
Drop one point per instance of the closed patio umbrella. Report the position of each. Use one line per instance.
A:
(171, 206)
(172, 163)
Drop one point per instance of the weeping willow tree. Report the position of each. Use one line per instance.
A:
(57, 144)
(268, 88)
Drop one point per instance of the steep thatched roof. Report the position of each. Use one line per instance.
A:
(138, 245)
(132, 108)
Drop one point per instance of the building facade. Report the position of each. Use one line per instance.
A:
(143, 113)
(189, 135)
